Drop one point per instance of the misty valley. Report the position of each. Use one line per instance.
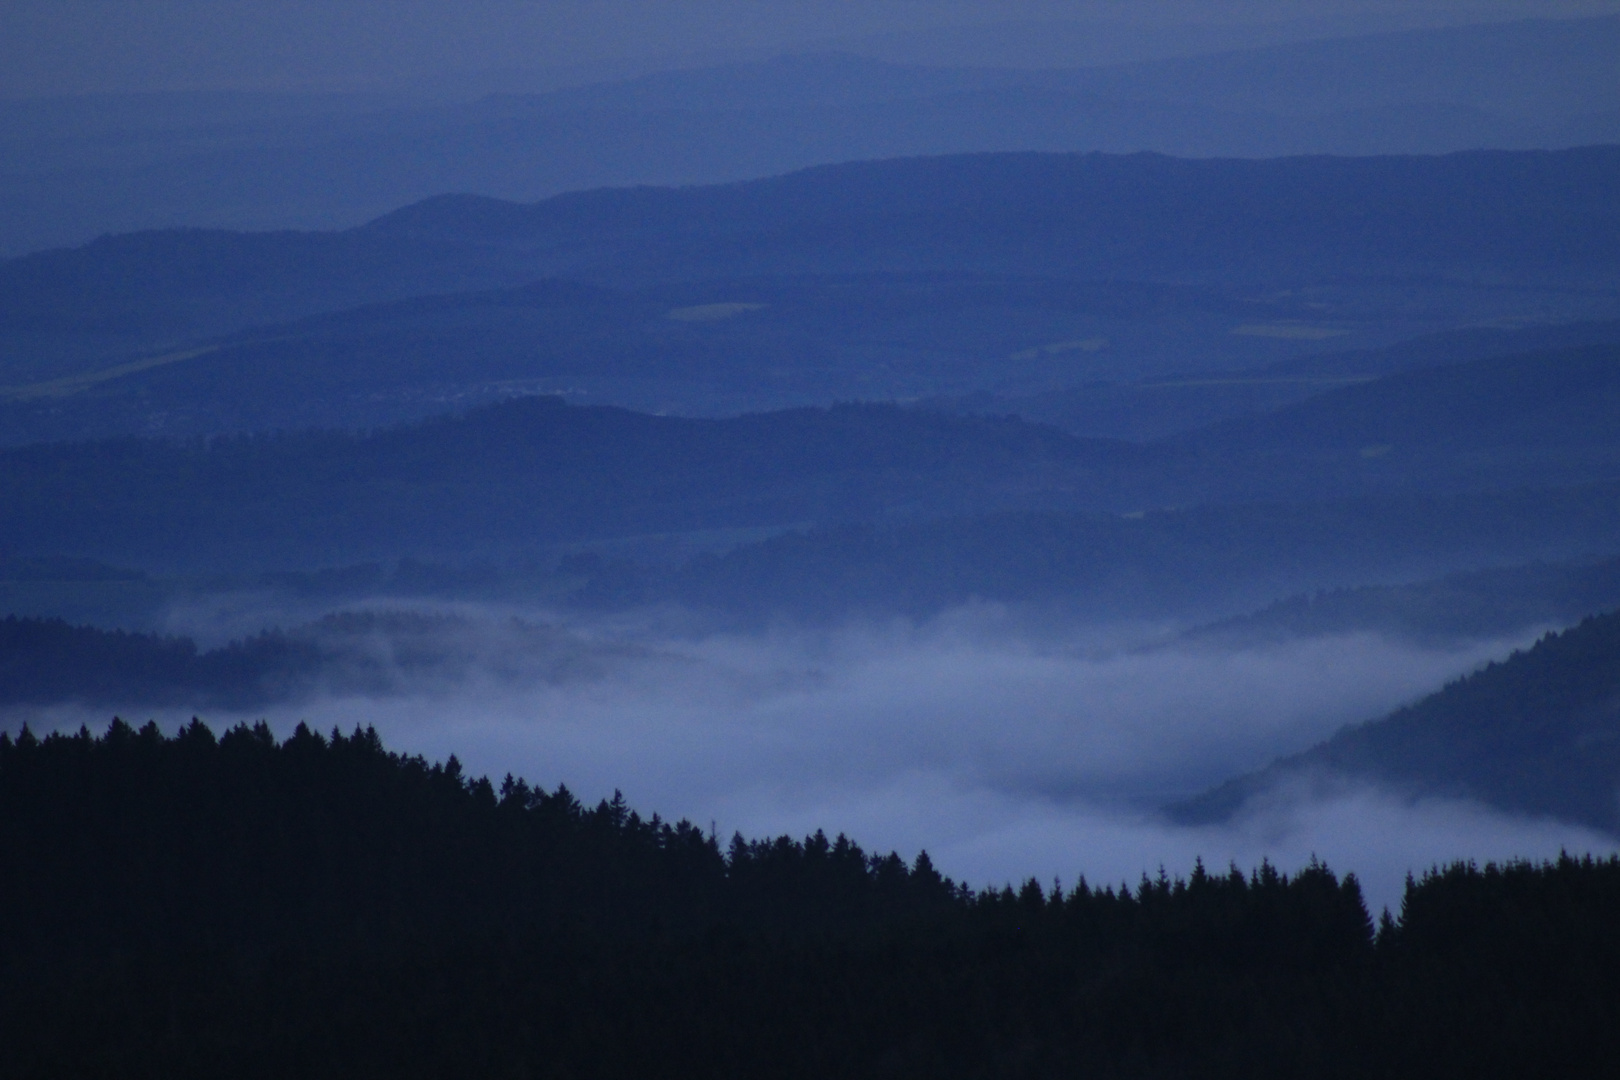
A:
(939, 570)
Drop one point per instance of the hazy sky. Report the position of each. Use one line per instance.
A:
(73, 46)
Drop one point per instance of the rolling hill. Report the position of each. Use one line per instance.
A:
(722, 347)
(1402, 243)
(1538, 733)
(1157, 406)
(534, 472)
(1199, 562)
(1538, 419)
(523, 475)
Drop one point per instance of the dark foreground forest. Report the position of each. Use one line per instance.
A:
(235, 906)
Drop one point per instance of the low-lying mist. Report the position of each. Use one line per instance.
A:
(1003, 750)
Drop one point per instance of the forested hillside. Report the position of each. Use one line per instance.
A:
(1210, 560)
(524, 474)
(374, 653)
(1149, 404)
(1537, 733)
(321, 906)
(527, 473)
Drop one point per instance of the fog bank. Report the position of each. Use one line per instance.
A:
(1004, 753)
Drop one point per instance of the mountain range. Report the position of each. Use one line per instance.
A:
(1008, 274)
(536, 472)
(78, 167)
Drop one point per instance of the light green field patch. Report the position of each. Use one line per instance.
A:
(1096, 344)
(710, 312)
(1289, 331)
(72, 384)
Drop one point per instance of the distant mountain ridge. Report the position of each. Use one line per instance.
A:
(1202, 561)
(536, 471)
(525, 474)
(326, 163)
(1467, 234)
(1157, 406)
(370, 653)
(1139, 216)
(1479, 605)
(1569, 396)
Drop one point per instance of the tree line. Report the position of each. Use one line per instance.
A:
(193, 905)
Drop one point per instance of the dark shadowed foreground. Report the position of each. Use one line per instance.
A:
(206, 907)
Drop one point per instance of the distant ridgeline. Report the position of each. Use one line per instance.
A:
(1538, 733)
(1477, 605)
(198, 906)
(43, 661)
(1019, 273)
(1537, 430)
(47, 661)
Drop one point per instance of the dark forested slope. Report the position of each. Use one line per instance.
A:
(199, 906)
(1210, 560)
(1152, 405)
(1538, 733)
(366, 652)
(534, 471)
(1567, 397)
(1536, 419)
(528, 473)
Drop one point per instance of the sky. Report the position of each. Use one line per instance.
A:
(80, 46)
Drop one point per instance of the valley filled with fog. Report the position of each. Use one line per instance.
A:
(1002, 746)
(801, 539)
(1017, 529)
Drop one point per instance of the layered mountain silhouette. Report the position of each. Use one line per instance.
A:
(912, 278)
(78, 168)
(1089, 216)
(1496, 461)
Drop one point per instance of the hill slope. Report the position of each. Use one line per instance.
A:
(1150, 405)
(534, 472)
(1208, 561)
(1539, 419)
(1538, 733)
(716, 347)
(525, 474)
(235, 905)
